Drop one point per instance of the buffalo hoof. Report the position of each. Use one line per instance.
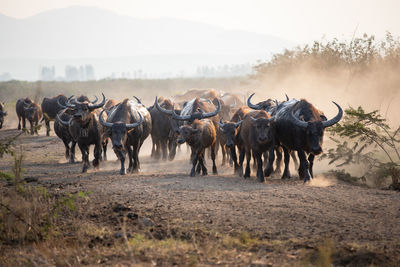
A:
(85, 168)
(286, 176)
(215, 170)
(122, 172)
(268, 171)
(193, 173)
(261, 179)
(247, 173)
(204, 172)
(71, 160)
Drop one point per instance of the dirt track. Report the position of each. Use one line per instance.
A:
(276, 210)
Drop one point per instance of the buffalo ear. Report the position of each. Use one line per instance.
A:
(194, 131)
(5, 113)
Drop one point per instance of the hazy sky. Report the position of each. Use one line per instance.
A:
(298, 21)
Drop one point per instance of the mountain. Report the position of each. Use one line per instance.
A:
(89, 32)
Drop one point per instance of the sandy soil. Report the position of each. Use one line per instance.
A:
(277, 210)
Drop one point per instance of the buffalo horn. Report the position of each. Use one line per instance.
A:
(336, 119)
(66, 123)
(136, 124)
(94, 106)
(250, 105)
(102, 122)
(169, 112)
(212, 114)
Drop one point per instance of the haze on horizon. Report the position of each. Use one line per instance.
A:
(297, 21)
(255, 28)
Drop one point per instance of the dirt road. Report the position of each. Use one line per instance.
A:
(363, 223)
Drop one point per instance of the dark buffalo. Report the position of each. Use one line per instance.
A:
(271, 107)
(128, 125)
(3, 113)
(300, 126)
(85, 129)
(199, 135)
(230, 132)
(27, 109)
(163, 133)
(62, 131)
(256, 137)
(50, 108)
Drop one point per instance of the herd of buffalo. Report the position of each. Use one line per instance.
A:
(209, 120)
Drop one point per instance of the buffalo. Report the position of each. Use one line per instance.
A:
(28, 110)
(163, 133)
(2, 114)
(50, 108)
(199, 135)
(300, 126)
(85, 129)
(128, 125)
(256, 136)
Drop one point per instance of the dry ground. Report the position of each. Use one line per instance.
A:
(161, 216)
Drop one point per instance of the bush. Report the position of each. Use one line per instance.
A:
(367, 139)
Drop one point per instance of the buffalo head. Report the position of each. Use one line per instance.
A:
(315, 129)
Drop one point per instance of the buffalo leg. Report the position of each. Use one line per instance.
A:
(234, 159)
(201, 164)
(104, 144)
(130, 157)
(85, 156)
(194, 162)
(304, 166)
(67, 149)
(23, 123)
(214, 167)
(295, 161)
(286, 172)
(47, 122)
(248, 158)
(311, 161)
(72, 153)
(260, 173)
(36, 127)
(135, 156)
(153, 149)
(32, 130)
(241, 159)
(223, 151)
(19, 122)
(121, 155)
(278, 164)
(97, 155)
(254, 161)
(164, 149)
(270, 166)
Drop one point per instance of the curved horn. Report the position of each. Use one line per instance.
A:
(238, 123)
(287, 98)
(136, 124)
(102, 122)
(252, 119)
(212, 114)
(250, 105)
(67, 104)
(138, 100)
(91, 106)
(66, 123)
(221, 124)
(179, 117)
(166, 111)
(94, 101)
(336, 119)
(296, 121)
